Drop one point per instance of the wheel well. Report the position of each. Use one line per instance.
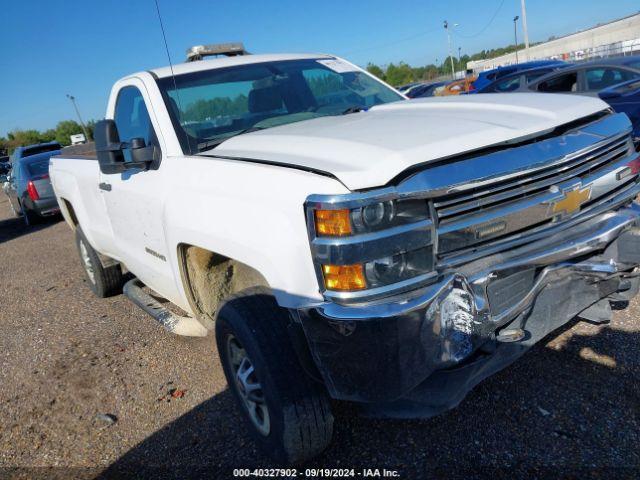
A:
(210, 278)
(66, 206)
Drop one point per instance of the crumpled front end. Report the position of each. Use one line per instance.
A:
(420, 356)
(445, 278)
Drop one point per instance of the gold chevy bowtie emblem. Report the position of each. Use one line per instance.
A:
(572, 201)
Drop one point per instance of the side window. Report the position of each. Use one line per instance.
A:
(132, 118)
(562, 83)
(604, 77)
(508, 85)
(530, 77)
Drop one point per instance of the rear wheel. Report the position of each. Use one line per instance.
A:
(103, 281)
(288, 414)
(30, 217)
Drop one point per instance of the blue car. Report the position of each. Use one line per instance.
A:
(488, 76)
(425, 90)
(612, 81)
(23, 152)
(518, 81)
(632, 61)
(625, 97)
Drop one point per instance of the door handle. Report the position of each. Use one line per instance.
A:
(104, 186)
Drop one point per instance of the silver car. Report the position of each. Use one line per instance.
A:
(29, 188)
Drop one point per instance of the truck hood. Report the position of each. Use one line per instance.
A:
(368, 149)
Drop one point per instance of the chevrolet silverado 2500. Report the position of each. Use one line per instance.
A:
(345, 243)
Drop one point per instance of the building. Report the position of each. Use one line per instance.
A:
(619, 37)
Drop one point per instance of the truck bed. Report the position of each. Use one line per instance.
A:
(75, 175)
(82, 151)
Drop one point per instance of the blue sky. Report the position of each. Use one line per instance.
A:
(52, 47)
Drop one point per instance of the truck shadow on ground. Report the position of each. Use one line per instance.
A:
(569, 405)
(12, 228)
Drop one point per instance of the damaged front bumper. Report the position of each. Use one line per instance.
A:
(419, 356)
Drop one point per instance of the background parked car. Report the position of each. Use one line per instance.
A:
(29, 187)
(518, 81)
(5, 166)
(405, 88)
(488, 76)
(424, 90)
(614, 83)
(632, 61)
(457, 87)
(22, 152)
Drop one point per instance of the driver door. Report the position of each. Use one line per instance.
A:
(135, 198)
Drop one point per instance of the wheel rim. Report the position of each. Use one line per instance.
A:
(86, 262)
(248, 386)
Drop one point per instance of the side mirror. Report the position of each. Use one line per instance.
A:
(110, 149)
(141, 154)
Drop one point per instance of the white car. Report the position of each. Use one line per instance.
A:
(344, 243)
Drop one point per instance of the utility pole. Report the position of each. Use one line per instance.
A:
(84, 128)
(446, 27)
(525, 30)
(515, 34)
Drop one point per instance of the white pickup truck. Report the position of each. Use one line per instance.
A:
(344, 242)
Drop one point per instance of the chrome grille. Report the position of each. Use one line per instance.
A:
(452, 207)
(492, 211)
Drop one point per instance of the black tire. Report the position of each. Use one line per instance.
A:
(30, 217)
(105, 281)
(299, 412)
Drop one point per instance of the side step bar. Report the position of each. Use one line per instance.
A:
(187, 326)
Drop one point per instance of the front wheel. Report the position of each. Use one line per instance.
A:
(288, 414)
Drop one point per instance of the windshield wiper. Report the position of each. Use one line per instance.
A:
(353, 109)
(217, 141)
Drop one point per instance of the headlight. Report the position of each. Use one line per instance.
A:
(398, 268)
(370, 244)
(370, 218)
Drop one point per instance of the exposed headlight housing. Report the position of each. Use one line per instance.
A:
(370, 244)
(398, 268)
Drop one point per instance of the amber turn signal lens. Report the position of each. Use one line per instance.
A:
(334, 223)
(344, 277)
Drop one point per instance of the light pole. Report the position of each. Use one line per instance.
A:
(515, 33)
(84, 129)
(459, 61)
(446, 27)
(524, 29)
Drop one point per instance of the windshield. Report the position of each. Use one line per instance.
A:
(211, 106)
(49, 147)
(39, 168)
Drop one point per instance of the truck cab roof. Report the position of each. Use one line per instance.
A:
(222, 62)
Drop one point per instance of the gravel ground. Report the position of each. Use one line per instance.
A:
(86, 392)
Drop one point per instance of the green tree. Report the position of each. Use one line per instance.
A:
(48, 135)
(65, 129)
(91, 125)
(399, 74)
(23, 137)
(375, 70)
